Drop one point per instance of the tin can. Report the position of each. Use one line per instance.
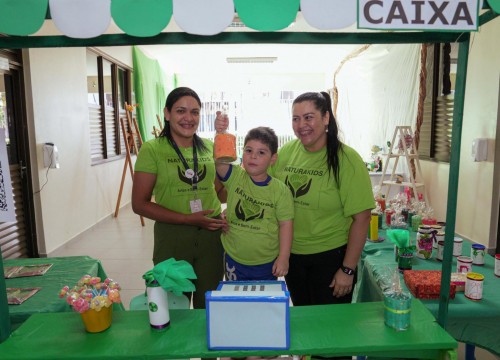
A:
(443, 225)
(388, 214)
(464, 264)
(439, 237)
(457, 246)
(440, 250)
(405, 259)
(474, 286)
(397, 310)
(497, 265)
(374, 227)
(477, 253)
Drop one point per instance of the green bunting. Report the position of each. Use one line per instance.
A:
(267, 15)
(495, 5)
(22, 17)
(142, 18)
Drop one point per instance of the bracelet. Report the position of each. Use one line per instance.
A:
(347, 270)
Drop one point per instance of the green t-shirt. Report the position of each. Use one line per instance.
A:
(253, 213)
(323, 208)
(172, 189)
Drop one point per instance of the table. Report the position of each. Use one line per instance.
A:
(471, 322)
(64, 271)
(344, 329)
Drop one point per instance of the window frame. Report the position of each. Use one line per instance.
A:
(116, 150)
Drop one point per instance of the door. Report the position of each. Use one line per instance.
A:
(17, 238)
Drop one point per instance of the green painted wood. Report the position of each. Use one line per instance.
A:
(142, 18)
(451, 209)
(4, 306)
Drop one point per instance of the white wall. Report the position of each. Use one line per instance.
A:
(475, 189)
(77, 195)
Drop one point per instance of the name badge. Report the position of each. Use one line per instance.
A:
(195, 205)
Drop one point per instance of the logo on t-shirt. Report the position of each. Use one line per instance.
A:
(299, 185)
(247, 211)
(182, 175)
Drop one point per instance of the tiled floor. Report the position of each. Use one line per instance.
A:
(125, 249)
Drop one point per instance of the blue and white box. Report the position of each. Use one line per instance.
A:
(248, 315)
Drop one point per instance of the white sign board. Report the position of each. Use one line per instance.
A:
(430, 15)
(7, 211)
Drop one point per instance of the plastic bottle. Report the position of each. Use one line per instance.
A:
(225, 146)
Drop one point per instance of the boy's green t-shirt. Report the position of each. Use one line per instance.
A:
(253, 213)
(323, 208)
(173, 190)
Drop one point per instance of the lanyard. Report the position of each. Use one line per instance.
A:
(189, 172)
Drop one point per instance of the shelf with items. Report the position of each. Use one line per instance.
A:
(404, 148)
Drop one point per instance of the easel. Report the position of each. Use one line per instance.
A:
(129, 135)
(156, 132)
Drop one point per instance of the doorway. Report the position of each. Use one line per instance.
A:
(17, 238)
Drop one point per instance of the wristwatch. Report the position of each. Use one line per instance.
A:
(347, 270)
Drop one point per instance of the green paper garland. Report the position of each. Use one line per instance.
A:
(267, 15)
(22, 17)
(142, 18)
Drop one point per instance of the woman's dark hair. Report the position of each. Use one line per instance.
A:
(172, 98)
(322, 103)
(265, 135)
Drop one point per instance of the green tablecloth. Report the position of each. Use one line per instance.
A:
(348, 329)
(472, 322)
(64, 271)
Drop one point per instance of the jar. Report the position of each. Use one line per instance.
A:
(440, 250)
(429, 221)
(464, 264)
(424, 242)
(159, 317)
(497, 265)
(457, 246)
(439, 237)
(474, 286)
(416, 220)
(388, 214)
(477, 253)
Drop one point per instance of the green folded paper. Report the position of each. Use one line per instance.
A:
(172, 275)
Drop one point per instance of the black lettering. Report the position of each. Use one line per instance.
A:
(438, 12)
(462, 7)
(418, 12)
(366, 11)
(396, 12)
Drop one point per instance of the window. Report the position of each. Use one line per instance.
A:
(108, 87)
(435, 132)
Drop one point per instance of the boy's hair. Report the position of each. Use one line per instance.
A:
(265, 135)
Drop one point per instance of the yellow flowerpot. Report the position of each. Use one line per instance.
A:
(97, 321)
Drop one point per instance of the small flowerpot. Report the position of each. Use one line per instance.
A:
(97, 321)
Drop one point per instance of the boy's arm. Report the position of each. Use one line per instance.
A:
(280, 267)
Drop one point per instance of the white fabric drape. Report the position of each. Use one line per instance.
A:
(377, 91)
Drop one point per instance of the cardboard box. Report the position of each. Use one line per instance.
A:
(248, 315)
(426, 284)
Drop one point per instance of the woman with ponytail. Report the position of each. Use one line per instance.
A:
(333, 199)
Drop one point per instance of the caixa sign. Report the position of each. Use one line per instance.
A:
(431, 15)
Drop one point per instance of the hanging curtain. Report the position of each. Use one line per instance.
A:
(151, 88)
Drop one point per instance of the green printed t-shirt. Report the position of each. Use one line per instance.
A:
(172, 189)
(323, 208)
(253, 213)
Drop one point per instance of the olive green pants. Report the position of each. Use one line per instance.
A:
(199, 247)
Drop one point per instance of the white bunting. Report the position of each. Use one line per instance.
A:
(202, 17)
(329, 14)
(81, 19)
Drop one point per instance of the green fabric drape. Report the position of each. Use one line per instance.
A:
(151, 88)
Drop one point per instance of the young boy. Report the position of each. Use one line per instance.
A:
(259, 212)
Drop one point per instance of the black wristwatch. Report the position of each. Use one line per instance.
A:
(347, 270)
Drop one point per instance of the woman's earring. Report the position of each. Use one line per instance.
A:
(326, 129)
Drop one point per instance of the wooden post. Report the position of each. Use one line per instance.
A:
(130, 146)
(4, 306)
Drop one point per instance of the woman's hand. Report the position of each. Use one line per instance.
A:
(201, 220)
(341, 283)
(221, 122)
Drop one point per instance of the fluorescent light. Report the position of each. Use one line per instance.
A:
(251, 59)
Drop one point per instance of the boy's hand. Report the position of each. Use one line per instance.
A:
(280, 267)
(221, 122)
